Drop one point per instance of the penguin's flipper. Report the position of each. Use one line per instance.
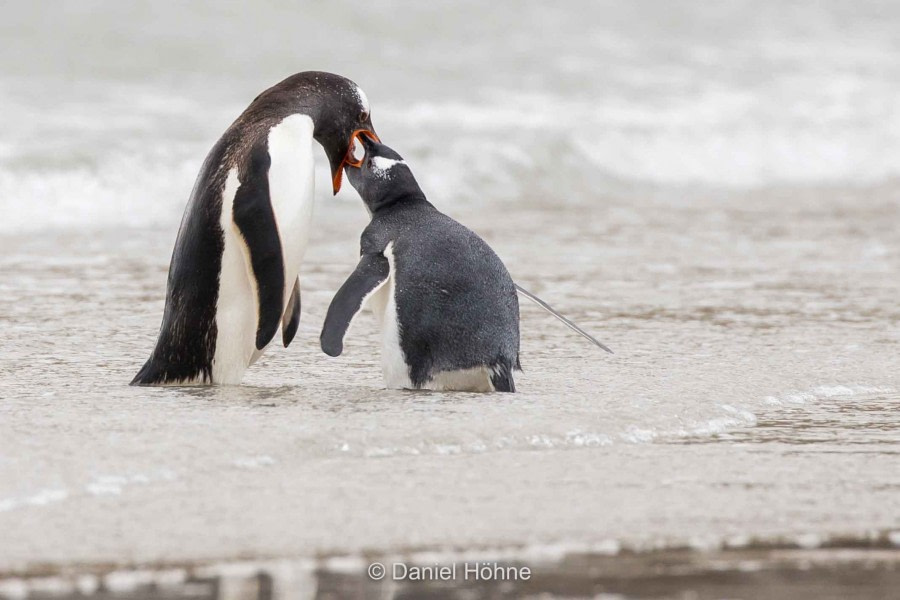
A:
(371, 273)
(291, 319)
(253, 215)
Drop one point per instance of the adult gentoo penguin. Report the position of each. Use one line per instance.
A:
(233, 278)
(446, 303)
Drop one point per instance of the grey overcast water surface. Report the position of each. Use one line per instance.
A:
(711, 189)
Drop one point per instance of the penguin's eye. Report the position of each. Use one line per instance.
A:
(364, 116)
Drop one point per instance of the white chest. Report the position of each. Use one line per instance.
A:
(291, 194)
(384, 304)
(292, 188)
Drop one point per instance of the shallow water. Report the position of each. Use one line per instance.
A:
(745, 274)
(752, 394)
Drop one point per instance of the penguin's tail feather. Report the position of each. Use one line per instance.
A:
(502, 378)
(155, 372)
(564, 320)
(148, 375)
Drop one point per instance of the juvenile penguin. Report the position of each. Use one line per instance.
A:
(233, 278)
(447, 306)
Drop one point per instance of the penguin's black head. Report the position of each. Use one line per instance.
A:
(379, 174)
(338, 107)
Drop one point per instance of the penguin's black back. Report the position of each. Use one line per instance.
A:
(456, 302)
(187, 338)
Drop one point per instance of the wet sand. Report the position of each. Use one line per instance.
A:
(786, 573)
(751, 397)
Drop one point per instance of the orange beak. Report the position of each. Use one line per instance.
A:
(349, 158)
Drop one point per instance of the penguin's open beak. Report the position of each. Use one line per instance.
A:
(356, 138)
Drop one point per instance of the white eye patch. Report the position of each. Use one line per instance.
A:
(363, 100)
(381, 165)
